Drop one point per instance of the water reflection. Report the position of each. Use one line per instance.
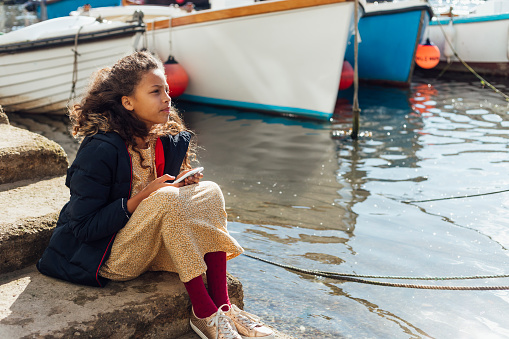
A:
(422, 101)
(387, 114)
(404, 326)
(274, 171)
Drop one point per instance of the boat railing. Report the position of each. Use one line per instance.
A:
(70, 39)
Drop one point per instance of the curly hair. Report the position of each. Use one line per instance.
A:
(101, 110)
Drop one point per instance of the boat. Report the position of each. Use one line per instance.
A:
(478, 36)
(274, 56)
(44, 65)
(390, 33)
(51, 9)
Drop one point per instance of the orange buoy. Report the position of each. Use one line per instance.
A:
(176, 77)
(427, 55)
(346, 76)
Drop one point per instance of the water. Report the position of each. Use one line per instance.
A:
(298, 194)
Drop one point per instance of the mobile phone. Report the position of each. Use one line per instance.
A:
(191, 172)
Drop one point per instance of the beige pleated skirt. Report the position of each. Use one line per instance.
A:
(172, 230)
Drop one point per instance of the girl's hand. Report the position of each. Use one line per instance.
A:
(190, 180)
(149, 189)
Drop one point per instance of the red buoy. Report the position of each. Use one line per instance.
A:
(176, 77)
(346, 76)
(427, 55)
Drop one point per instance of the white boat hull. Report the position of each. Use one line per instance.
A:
(40, 79)
(284, 61)
(480, 41)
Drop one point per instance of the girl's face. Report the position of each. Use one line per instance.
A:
(150, 101)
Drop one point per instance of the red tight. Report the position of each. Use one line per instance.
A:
(205, 303)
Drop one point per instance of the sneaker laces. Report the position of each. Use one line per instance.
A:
(247, 320)
(223, 325)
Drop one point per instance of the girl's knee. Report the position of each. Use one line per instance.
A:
(213, 189)
(213, 193)
(211, 186)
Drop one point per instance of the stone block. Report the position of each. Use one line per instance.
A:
(155, 305)
(26, 155)
(29, 213)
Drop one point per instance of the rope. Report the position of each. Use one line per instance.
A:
(75, 66)
(170, 31)
(456, 197)
(361, 278)
(444, 70)
(483, 81)
(154, 36)
(355, 109)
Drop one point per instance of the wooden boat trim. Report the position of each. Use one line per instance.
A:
(237, 12)
(70, 39)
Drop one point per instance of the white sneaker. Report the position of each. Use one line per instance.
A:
(217, 326)
(249, 325)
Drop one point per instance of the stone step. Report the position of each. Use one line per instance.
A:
(155, 305)
(26, 155)
(29, 213)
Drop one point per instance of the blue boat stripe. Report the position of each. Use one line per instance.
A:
(445, 21)
(258, 107)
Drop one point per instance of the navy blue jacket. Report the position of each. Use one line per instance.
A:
(99, 180)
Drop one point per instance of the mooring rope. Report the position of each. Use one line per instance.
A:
(455, 197)
(75, 66)
(362, 278)
(355, 107)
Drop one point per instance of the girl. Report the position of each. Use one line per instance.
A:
(125, 215)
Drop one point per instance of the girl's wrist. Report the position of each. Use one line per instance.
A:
(132, 204)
